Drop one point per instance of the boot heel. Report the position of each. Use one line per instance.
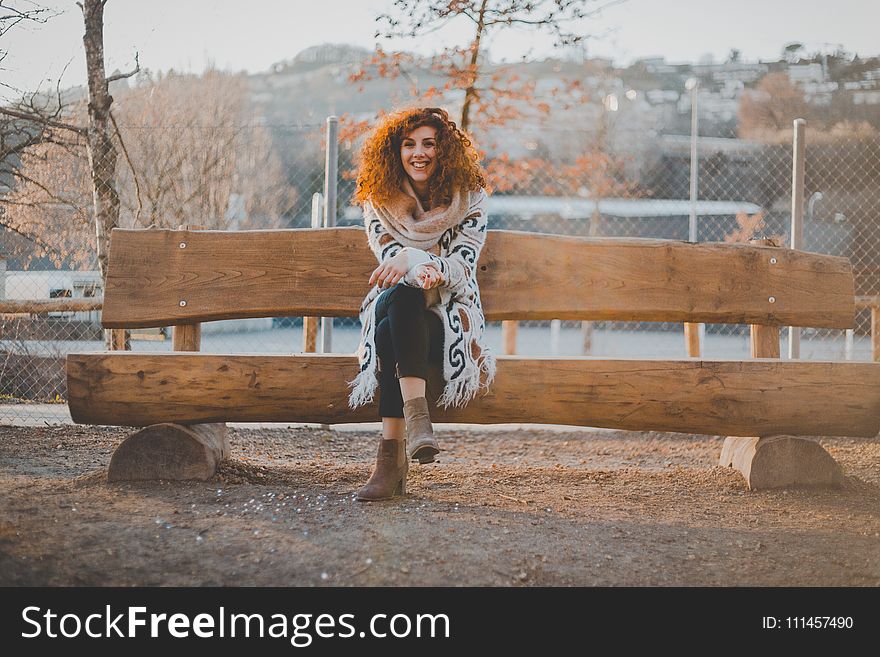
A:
(389, 476)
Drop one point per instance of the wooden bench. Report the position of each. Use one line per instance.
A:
(181, 278)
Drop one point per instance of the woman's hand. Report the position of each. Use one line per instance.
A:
(428, 276)
(390, 272)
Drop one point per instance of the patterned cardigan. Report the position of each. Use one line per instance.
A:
(468, 365)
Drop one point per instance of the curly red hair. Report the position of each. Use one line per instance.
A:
(380, 171)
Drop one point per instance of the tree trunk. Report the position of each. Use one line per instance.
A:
(101, 150)
(471, 90)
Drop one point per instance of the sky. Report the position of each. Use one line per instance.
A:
(190, 35)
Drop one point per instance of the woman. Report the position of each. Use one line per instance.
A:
(421, 188)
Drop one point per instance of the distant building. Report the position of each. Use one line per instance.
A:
(866, 97)
(806, 73)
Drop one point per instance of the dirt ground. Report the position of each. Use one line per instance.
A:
(518, 508)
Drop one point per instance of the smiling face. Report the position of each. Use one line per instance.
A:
(418, 156)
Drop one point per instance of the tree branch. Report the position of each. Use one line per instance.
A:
(122, 76)
(137, 186)
(32, 238)
(38, 119)
(14, 16)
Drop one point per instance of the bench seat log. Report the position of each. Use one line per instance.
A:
(761, 397)
(154, 281)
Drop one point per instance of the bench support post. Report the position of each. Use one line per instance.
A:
(692, 339)
(508, 336)
(778, 461)
(168, 450)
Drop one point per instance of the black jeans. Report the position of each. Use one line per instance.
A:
(408, 338)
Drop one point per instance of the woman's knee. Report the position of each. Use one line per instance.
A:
(406, 295)
(384, 344)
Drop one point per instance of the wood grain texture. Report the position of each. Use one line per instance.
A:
(692, 339)
(310, 334)
(120, 340)
(781, 461)
(170, 451)
(739, 398)
(324, 272)
(509, 330)
(764, 341)
(186, 337)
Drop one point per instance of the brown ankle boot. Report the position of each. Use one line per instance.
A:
(423, 446)
(389, 475)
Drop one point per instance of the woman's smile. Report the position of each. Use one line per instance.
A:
(417, 153)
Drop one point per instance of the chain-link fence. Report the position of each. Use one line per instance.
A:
(259, 175)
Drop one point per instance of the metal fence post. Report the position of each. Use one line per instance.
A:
(694, 86)
(555, 335)
(331, 168)
(694, 334)
(310, 324)
(797, 215)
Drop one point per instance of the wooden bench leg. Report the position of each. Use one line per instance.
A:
(170, 451)
(779, 461)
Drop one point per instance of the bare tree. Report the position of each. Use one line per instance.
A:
(499, 100)
(192, 152)
(198, 154)
(36, 130)
(101, 149)
(50, 204)
(27, 125)
(771, 107)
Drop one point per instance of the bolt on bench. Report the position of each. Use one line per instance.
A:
(765, 405)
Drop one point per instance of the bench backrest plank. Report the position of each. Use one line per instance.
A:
(167, 277)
